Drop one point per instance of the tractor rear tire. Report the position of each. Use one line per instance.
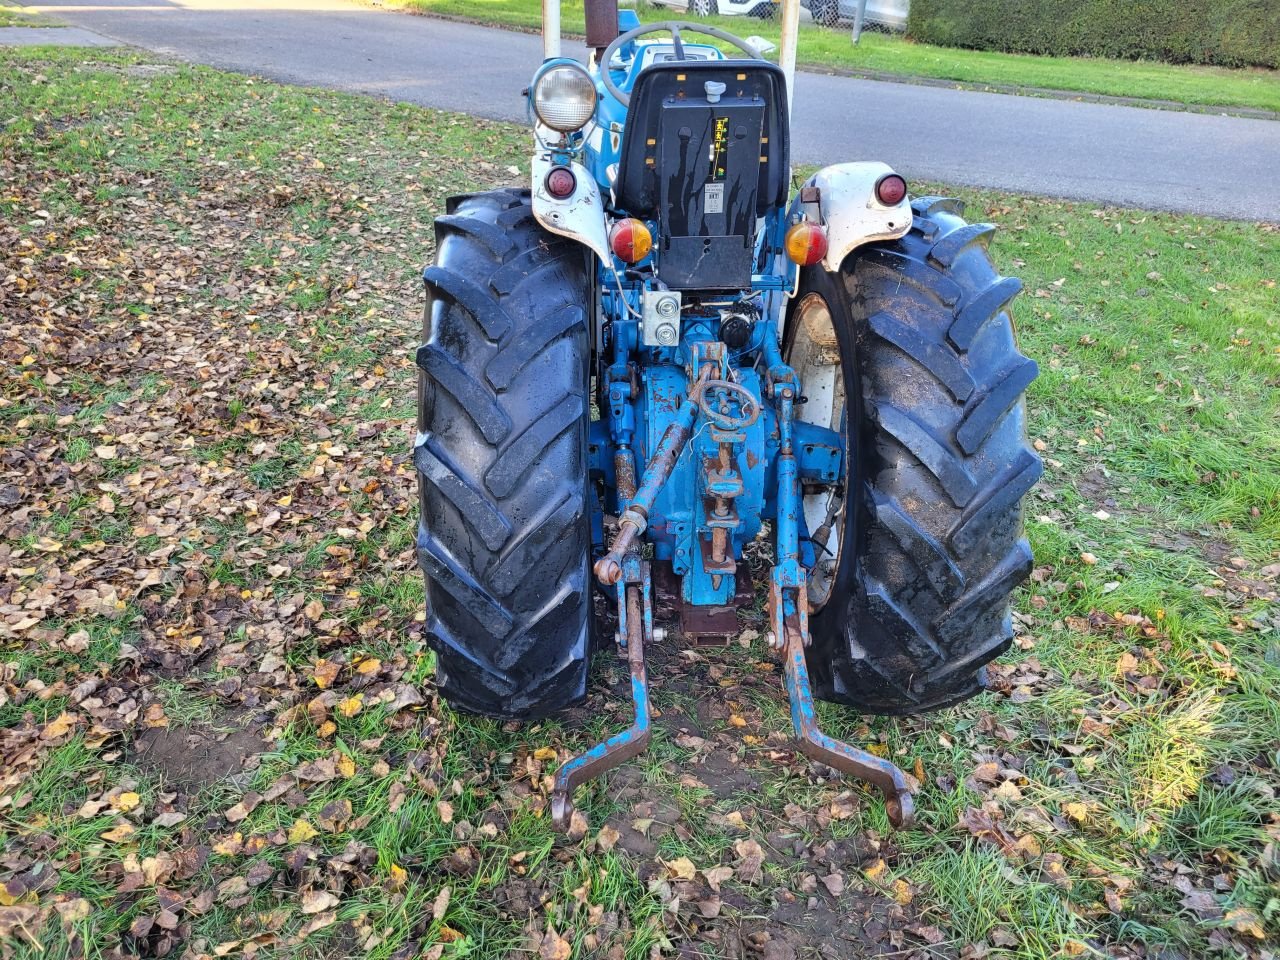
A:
(504, 535)
(932, 545)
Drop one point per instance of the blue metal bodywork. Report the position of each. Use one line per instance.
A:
(645, 386)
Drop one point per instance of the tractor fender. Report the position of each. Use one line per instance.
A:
(850, 211)
(579, 216)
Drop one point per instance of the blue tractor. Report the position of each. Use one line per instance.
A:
(666, 351)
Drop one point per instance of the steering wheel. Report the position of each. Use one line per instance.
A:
(674, 27)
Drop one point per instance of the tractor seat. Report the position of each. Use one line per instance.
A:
(705, 153)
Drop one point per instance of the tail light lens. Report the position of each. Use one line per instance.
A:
(806, 243)
(561, 182)
(890, 189)
(630, 240)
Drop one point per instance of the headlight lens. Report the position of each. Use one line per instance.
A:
(564, 98)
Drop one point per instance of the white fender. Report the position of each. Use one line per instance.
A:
(579, 216)
(852, 214)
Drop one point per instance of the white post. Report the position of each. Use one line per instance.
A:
(551, 29)
(787, 45)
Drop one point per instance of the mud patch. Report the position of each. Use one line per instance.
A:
(1094, 486)
(191, 757)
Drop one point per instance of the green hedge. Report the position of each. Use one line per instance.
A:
(1233, 33)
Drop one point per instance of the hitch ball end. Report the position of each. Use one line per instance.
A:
(608, 570)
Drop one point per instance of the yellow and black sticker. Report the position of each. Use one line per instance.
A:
(719, 149)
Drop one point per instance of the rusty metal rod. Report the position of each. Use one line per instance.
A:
(624, 469)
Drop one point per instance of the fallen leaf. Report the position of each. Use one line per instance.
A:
(1245, 921)
(242, 809)
(60, 726)
(317, 901)
(709, 908)
(119, 833)
(335, 815)
(607, 838)
(876, 871)
(750, 861)
(681, 868)
(554, 947)
(716, 876)
(440, 905)
(325, 673)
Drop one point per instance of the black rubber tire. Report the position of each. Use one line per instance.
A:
(704, 8)
(504, 534)
(940, 465)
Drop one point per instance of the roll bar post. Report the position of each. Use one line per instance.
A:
(787, 46)
(550, 29)
(602, 27)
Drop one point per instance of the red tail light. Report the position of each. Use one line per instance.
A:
(561, 182)
(890, 189)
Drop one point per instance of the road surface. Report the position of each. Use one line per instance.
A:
(1187, 162)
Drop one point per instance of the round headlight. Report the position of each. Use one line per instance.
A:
(564, 98)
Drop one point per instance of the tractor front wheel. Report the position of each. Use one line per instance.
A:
(909, 350)
(504, 535)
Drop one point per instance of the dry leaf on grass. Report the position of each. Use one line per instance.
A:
(317, 901)
(554, 947)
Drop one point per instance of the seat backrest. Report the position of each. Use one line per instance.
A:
(705, 153)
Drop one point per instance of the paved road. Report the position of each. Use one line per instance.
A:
(1199, 163)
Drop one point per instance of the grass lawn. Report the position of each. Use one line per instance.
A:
(879, 53)
(11, 16)
(15, 15)
(218, 731)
